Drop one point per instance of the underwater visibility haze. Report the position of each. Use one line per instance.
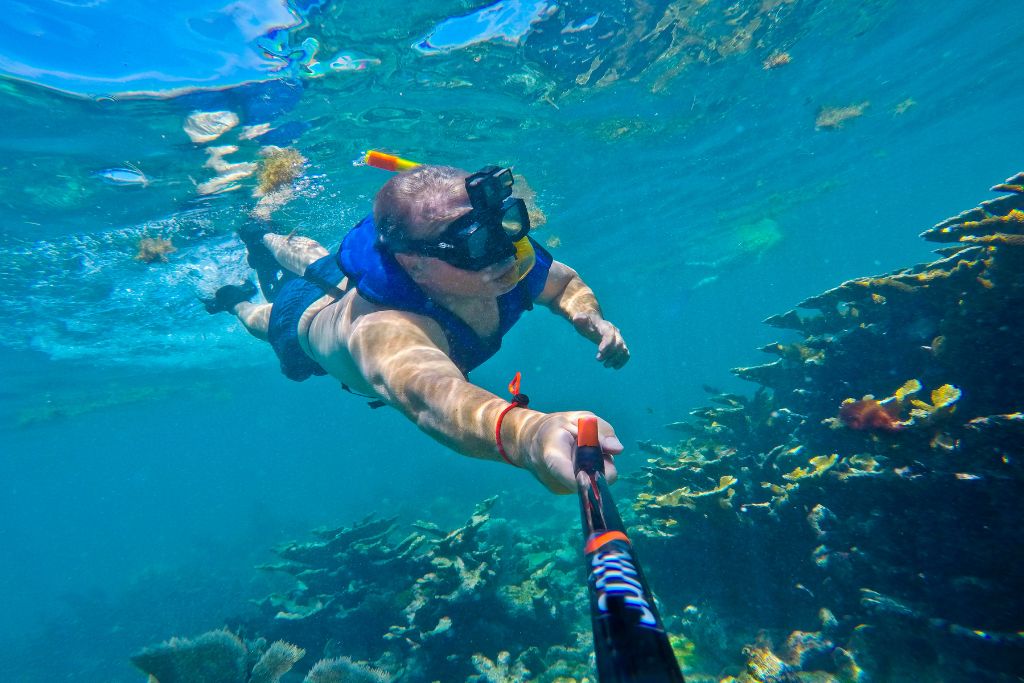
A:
(844, 508)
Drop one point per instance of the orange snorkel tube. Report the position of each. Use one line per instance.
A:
(526, 256)
(388, 162)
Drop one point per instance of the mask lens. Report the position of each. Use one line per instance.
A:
(515, 220)
(475, 241)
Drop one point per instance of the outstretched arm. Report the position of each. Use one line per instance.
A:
(566, 294)
(403, 356)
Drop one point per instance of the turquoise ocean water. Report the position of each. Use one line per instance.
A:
(150, 454)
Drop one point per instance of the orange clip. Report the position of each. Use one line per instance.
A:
(602, 538)
(513, 386)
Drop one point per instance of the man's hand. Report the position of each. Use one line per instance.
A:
(611, 349)
(550, 450)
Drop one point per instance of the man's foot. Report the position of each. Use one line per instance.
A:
(268, 271)
(252, 234)
(229, 296)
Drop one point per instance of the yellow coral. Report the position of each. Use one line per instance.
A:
(860, 466)
(819, 465)
(946, 395)
(683, 648)
(909, 387)
(1014, 216)
(763, 664)
(683, 496)
(942, 403)
(996, 238)
(780, 494)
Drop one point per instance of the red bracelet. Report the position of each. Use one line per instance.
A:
(518, 401)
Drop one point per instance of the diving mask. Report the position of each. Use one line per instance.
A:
(486, 234)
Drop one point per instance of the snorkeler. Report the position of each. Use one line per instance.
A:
(419, 294)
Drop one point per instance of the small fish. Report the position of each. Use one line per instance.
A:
(801, 587)
(585, 25)
(709, 280)
(130, 175)
(964, 476)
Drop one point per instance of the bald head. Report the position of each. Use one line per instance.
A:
(418, 203)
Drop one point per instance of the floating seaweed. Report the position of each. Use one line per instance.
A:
(153, 249)
(775, 60)
(833, 118)
(903, 107)
(279, 168)
(276, 179)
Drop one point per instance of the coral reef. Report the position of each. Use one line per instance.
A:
(217, 657)
(894, 516)
(504, 670)
(437, 604)
(223, 657)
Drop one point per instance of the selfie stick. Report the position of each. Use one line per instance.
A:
(629, 639)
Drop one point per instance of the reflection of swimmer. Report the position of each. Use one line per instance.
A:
(419, 294)
(256, 106)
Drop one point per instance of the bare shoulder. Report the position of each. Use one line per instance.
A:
(559, 275)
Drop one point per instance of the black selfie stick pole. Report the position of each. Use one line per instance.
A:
(629, 638)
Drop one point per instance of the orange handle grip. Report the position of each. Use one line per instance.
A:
(587, 435)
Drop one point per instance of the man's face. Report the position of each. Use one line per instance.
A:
(437, 275)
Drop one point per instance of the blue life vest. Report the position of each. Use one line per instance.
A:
(382, 281)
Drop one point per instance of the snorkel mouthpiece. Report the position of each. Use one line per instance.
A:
(526, 258)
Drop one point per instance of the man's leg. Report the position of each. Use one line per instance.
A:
(254, 317)
(277, 258)
(294, 253)
(229, 296)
